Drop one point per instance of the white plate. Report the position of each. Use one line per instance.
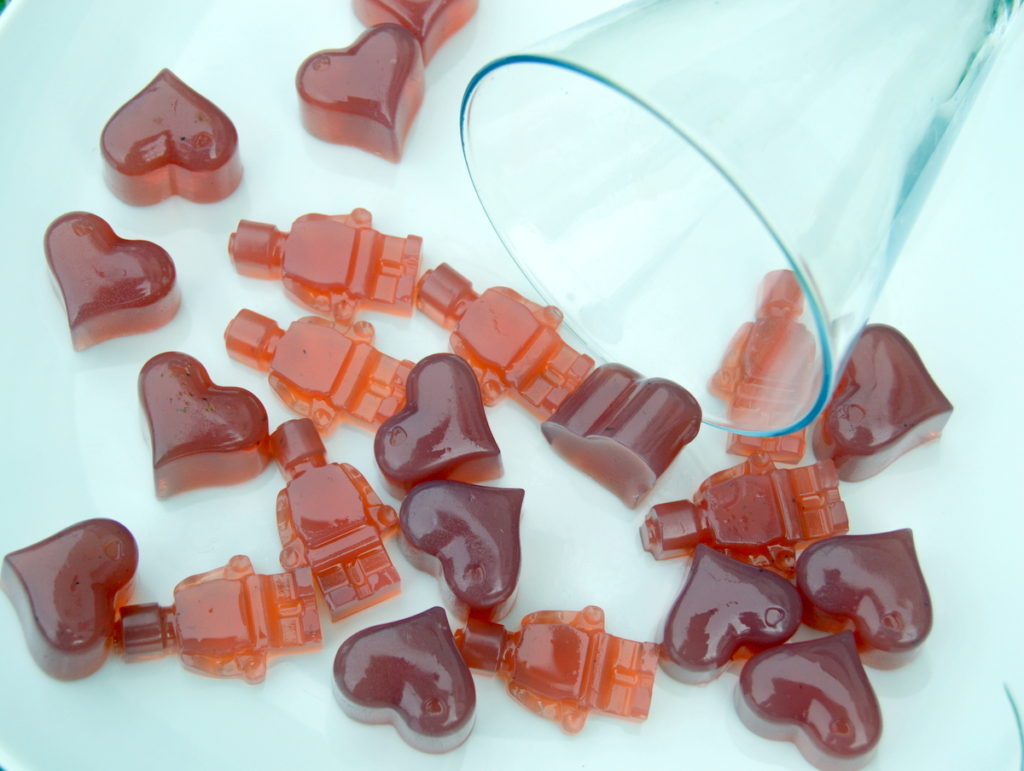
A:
(74, 447)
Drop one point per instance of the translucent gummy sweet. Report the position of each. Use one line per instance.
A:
(334, 265)
(202, 434)
(67, 590)
(562, 664)
(622, 429)
(885, 405)
(321, 370)
(331, 520)
(753, 512)
(366, 95)
(510, 342)
(226, 622)
(410, 674)
(441, 433)
(110, 286)
(432, 22)
(468, 536)
(169, 140)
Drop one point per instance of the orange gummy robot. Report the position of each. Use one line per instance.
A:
(510, 342)
(321, 370)
(330, 519)
(766, 373)
(226, 622)
(753, 512)
(562, 664)
(334, 265)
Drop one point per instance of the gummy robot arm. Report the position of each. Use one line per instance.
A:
(570, 717)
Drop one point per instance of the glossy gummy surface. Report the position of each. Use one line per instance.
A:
(623, 429)
(410, 674)
(202, 434)
(66, 590)
(468, 536)
(366, 95)
(110, 286)
(170, 140)
(432, 22)
(885, 405)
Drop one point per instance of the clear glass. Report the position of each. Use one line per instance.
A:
(648, 168)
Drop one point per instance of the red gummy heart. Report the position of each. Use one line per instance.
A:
(815, 694)
(872, 583)
(441, 433)
(468, 536)
(67, 589)
(167, 140)
(886, 404)
(203, 434)
(622, 429)
(366, 95)
(432, 22)
(408, 673)
(111, 286)
(725, 605)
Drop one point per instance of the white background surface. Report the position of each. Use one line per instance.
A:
(74, 445)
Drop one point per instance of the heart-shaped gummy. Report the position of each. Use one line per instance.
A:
(872, 583)
(886, 404)
(408, 673)
(725, 605)
(366, 95)
(622, 429)
(203, 434)
(67, 589)
(815, 694)
(468, 536)
(432, 22)
(111, 286)
(441, 433)
(170, 140)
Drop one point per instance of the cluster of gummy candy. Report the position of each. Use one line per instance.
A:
(744, 526)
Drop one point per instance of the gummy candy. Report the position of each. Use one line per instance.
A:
(753, 512)
(510, 342)
(66, 590)
(110, 286)
(886, 404)
(334, 265)
(226, 622)
(441, 433)
(562, 664)
(410, 674)
(170, 140)
(432, 22)
(202, 434)
(623, 430)
(321, 370)
(366, 95)
(330, 519)
(468, 536)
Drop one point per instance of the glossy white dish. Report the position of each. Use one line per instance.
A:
(75, 445)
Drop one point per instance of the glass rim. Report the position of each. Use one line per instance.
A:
(813, 302)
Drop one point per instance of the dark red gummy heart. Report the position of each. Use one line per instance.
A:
(872, 583)
(408, 673)
(203, 434)
(167, 140)
(111, 286)
(468, 536)
(725, 605)
(886, 404)
(366, 95)
(67, 589)
(441, 433)
(815, 694)
(432, 22)
(623, 430)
